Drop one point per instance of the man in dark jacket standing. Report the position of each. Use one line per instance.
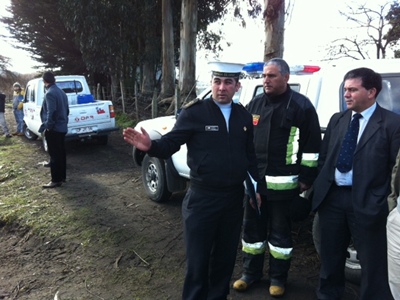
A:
(219, 138)
(350, 192)
(287, 138)
(3, 123)
(54, 115)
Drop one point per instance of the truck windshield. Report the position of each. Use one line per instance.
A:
(71, 86)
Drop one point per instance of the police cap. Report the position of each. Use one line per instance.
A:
(225, 69)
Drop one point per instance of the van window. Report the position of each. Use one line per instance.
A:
(72, 86)
(29, 94)
(295, 87)
(388, 98)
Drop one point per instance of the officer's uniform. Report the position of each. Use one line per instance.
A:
(220, 153)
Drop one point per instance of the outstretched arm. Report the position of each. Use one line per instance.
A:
(141, 140)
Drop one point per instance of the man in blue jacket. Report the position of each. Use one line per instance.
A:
(54, 115)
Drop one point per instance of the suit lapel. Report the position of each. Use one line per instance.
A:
(343, 123)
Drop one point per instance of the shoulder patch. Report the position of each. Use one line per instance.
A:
(189, 104)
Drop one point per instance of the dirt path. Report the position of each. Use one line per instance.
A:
(126, 247)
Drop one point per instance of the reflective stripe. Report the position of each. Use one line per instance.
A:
(310, 160)
(280, 253)
(292, 146)
(255, 248)
(280, 183)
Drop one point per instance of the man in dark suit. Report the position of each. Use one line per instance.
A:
(54, 115)
(351, 192)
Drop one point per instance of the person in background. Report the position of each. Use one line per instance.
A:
(219, 138)
(350, 192)
(287, 139)
(393, 232)
(18, 99)
(3, 123)
(54, 115)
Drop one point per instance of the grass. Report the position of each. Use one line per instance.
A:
(65, 216)
(22, 199)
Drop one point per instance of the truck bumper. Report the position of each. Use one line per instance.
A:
(89, 135)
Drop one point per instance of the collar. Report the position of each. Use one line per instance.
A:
(367, 113)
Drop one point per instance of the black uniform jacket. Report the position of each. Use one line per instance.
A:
(218, 159)
(274, 119)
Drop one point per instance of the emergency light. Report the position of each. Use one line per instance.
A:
(257, 68)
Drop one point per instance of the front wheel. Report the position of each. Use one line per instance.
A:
(29, 134)
(352, 268)
(154, 179)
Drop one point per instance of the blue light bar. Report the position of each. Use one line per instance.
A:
(253, 67)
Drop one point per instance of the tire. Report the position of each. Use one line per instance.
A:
(102, 140)
(154, 179)
(352, 269)
(29, 134)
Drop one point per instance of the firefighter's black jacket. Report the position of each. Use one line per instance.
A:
(286, 134)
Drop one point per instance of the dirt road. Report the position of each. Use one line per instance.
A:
(126, 247)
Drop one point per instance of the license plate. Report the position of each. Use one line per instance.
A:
(84, 129)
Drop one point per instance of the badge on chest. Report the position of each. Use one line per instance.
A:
(212, 128)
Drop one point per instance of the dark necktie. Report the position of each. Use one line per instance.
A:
(345, 159)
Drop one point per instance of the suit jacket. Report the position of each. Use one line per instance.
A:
(55, 110)
(373, 161)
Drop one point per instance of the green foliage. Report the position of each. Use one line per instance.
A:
(38, 27)
(125, 120)
(393, 16)
(109, 38)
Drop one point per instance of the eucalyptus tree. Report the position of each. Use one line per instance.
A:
(274, 20)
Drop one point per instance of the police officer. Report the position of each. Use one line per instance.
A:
(219, 138)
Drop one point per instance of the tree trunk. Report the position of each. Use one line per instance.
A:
(150, 54)
(168, 67)
(274, 19)
(187, 62)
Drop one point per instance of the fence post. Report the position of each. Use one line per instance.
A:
(136, 102)
(98, 96)
(121, 85)
(177, 99)
(154, 106)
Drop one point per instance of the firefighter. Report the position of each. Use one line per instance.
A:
(287, 140)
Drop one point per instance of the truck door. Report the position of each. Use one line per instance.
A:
(33, 100)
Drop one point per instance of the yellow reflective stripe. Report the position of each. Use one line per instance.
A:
(280, 253)
(292, 146)
(310, 159)
(254, 248)
(280, 183)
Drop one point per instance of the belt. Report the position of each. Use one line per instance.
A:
(345, 187)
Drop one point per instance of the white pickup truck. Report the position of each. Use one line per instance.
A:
(86, 120)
